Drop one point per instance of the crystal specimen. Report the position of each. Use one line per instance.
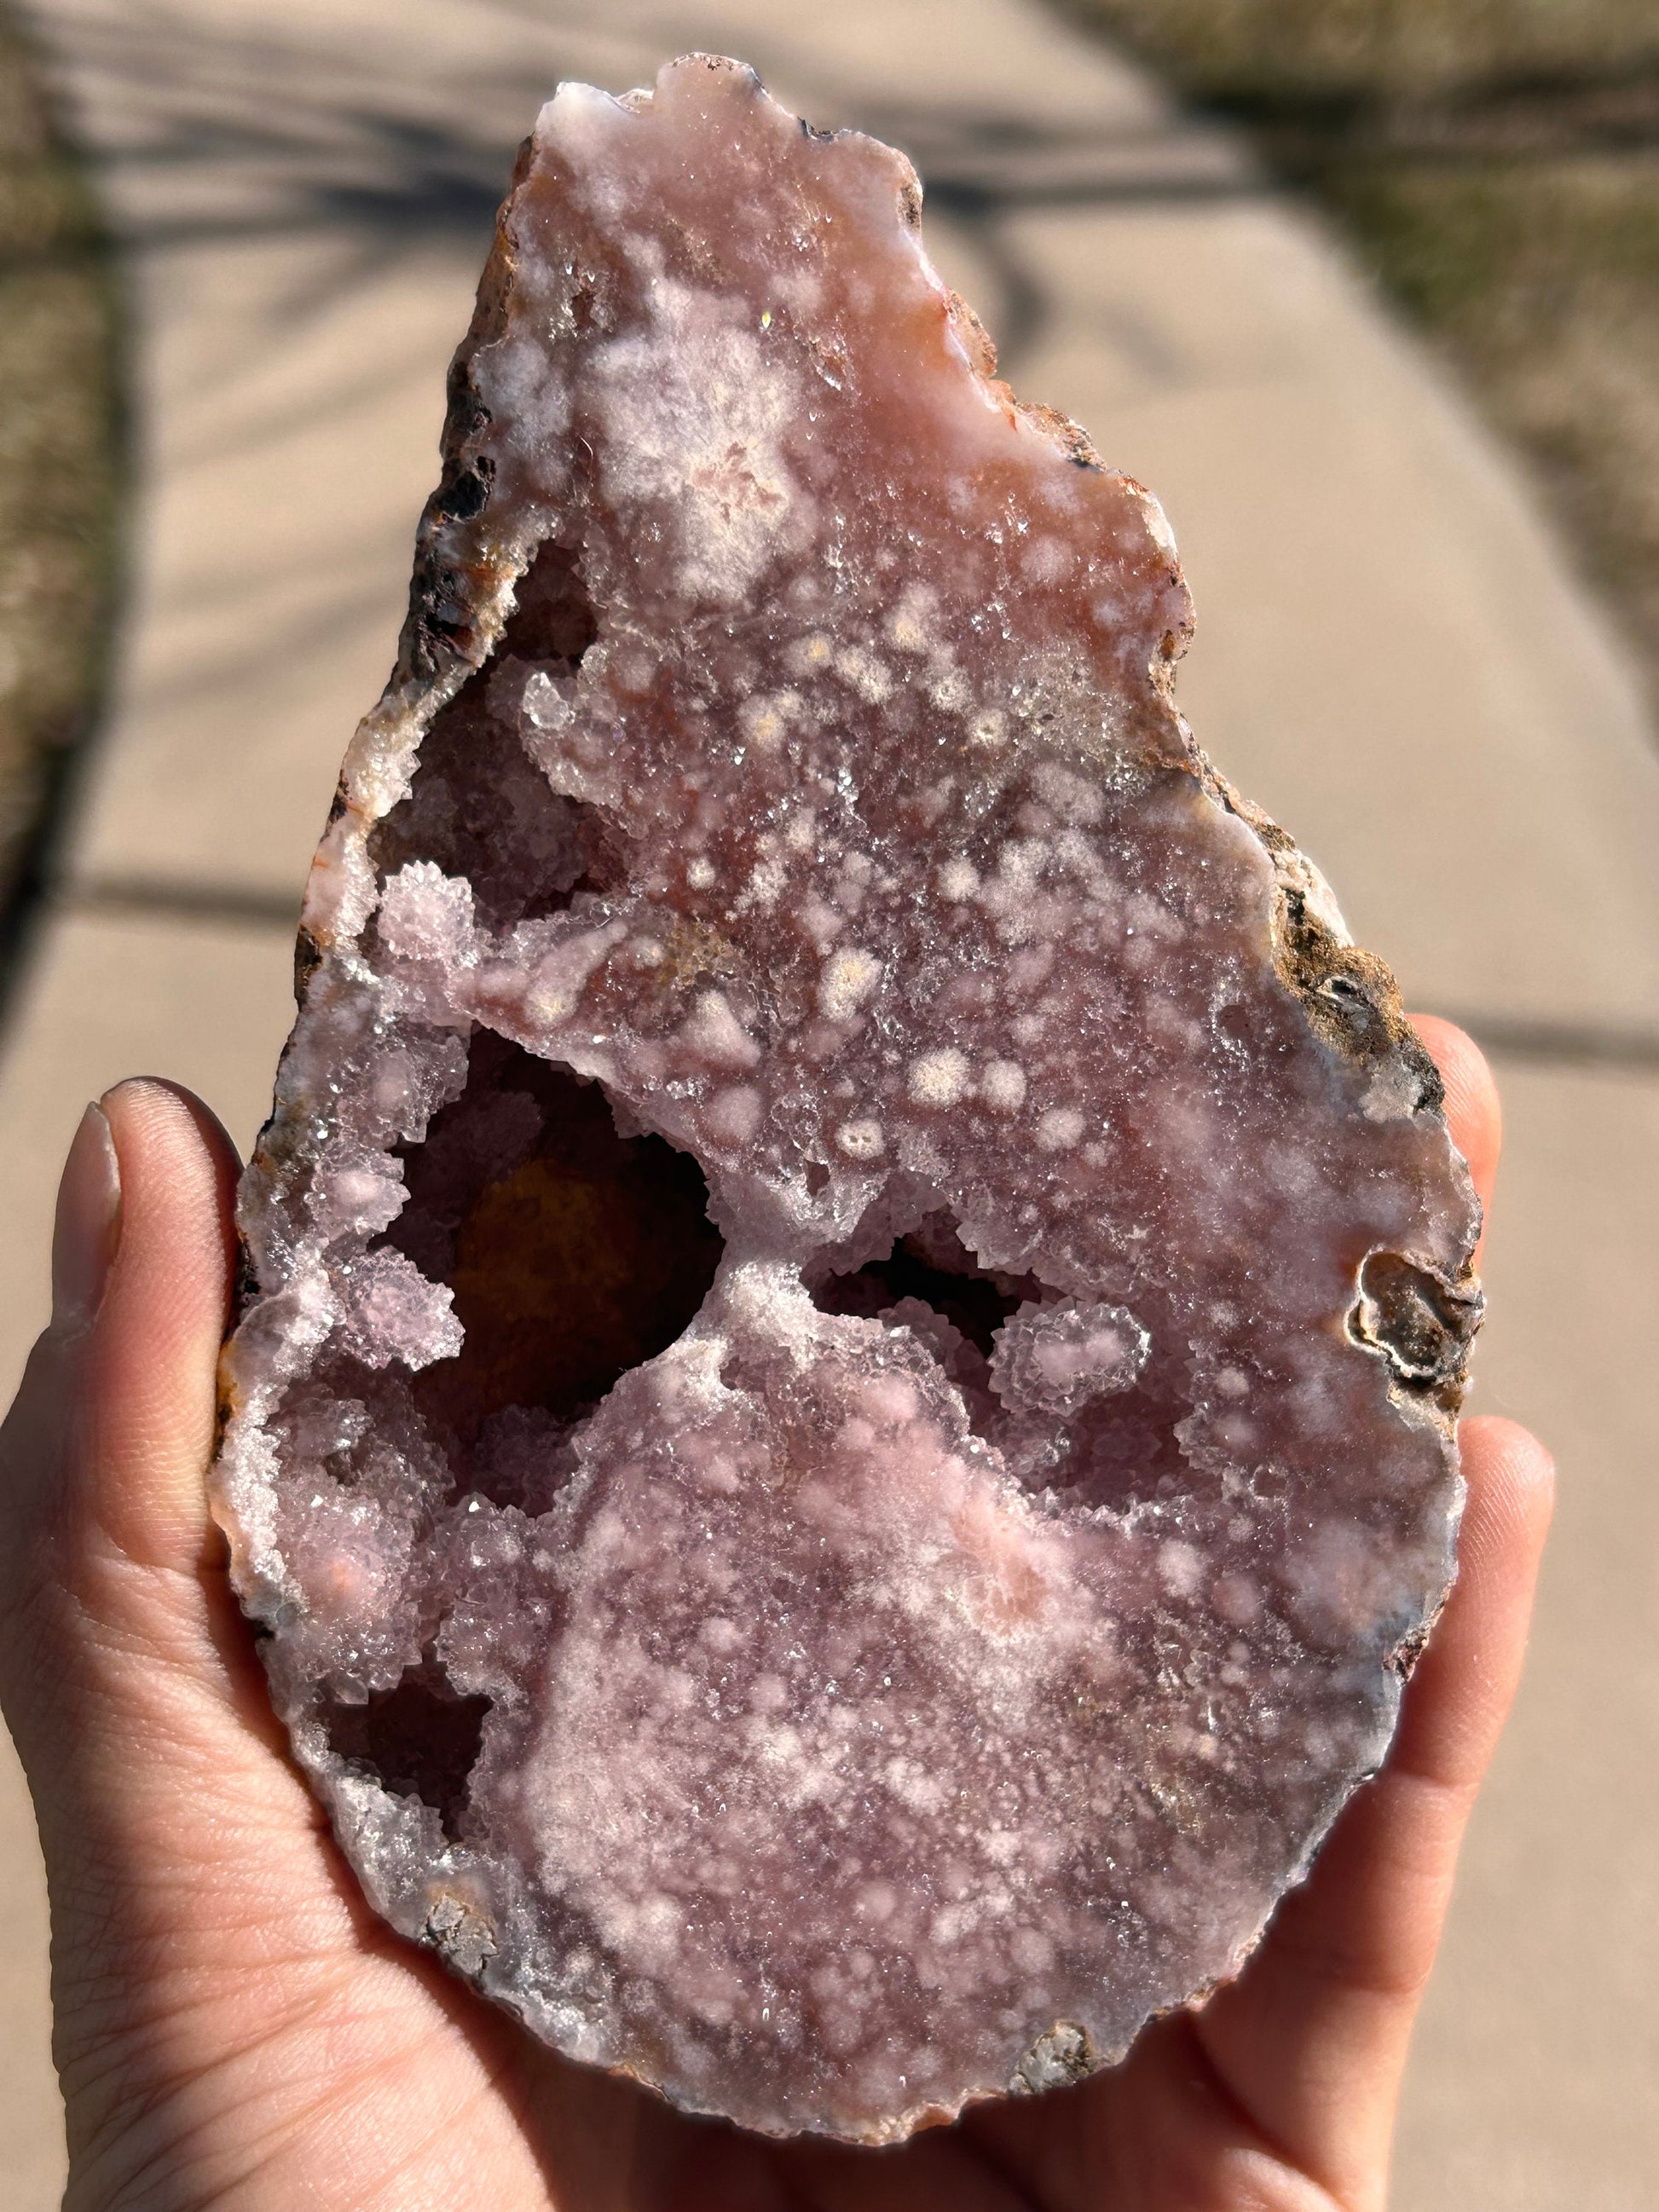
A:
(842, 1417)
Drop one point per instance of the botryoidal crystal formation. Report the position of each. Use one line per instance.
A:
(842, 1421)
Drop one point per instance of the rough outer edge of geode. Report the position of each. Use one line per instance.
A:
(462, 592)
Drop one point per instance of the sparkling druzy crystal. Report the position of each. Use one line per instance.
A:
(841, 1418)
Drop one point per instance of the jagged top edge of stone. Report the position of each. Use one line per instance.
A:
(1349, 996)
(459, 541)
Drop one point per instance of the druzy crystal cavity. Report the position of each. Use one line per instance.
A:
(843, 1420)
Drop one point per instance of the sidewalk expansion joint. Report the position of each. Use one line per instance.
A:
(1546, 1043)
(166, 898)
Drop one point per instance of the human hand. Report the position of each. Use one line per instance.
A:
(235, 2028)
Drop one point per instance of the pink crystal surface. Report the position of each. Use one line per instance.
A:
(842, 1424)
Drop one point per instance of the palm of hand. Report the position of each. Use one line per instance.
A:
(236, 2028)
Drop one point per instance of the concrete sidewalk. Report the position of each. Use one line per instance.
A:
(1390, 657)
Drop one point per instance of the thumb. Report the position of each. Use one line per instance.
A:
(197, 1922)
(103, 1519)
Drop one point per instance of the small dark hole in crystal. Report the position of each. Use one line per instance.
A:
(1114, 1449)
(421, 1740)
(574, 1252)
(466, 495)
(553, 616)
(931, 1263)
(480, 800)
(1122, 1447)
(1343, 987)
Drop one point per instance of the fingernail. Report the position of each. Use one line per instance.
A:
(88, 1223)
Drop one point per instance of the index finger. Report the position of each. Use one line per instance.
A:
(1472, 1109)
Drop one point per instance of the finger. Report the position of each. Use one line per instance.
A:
(151, 1785)
(1472, 1109)
(152, 1366)
(1311, 2040)
(102, 1455)
(104, 1448)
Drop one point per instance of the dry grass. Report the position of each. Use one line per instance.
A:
(1544, 286)
(1497, 163)
(1229, 48)
(59, 467)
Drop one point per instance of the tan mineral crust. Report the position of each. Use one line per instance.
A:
(841, 1417)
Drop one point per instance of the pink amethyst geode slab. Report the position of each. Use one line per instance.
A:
(842, 1421)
